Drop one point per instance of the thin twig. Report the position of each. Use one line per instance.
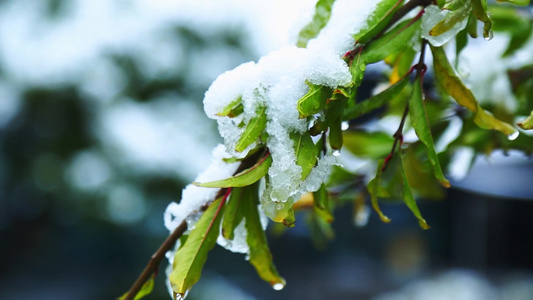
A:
(421, 69)
(170, 241)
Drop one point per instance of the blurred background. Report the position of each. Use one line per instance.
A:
(102, 125)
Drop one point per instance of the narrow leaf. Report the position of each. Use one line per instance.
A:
(321, 204)
(320, 19)
(486, 120)
(227, 111)
(246, 177)
(233, 214)
(368, 144)
(419, 120)
(190, 259)
(392, 42)
(479, 10)
(453, 18)
(409, 199)
(260, 255)
(253, 130)
(375, 101)
(314, 101)
(378, 20)
(373, 189)
(357, 69)
(450, 81)
(145, 290)
(527, 123)
(306, 152)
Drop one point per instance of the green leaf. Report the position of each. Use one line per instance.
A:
(373, 189)
(375, 101)
(527, 124)
(314, 101)
(420, 123)
(378, 20)
(321, 204)
(392, 42)
(145, 290)
(320, 19)
(253, 130)
(190, 259)
(479, 10)
(244, 178)
(455, 4)
(234, 215)
(451, 20)
(451, 83)
(334, 119)
(461, 40)
(306, 152)
(233, 109)
(260, 256)
(357, 69)
(471, 26)
(486, 120)
(320, 230)
(516, 2)
(368, 144)
(408, 197)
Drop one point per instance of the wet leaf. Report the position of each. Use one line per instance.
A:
(455, 4)
(409, 199)
(244, 178)
(357, 69)
(233, 214)
(378, 20)
(419, 121)
(190, 258)
(394, 41)
(486, 120)
(453, 18)
(527, 124)
(479, 10)
(373, 188)
(451, 83)
(335, 127)
(253, 130)
(306, 152)
(321, 204)
(320, 19)
(145, 290)
(232, 109)
(260, 255)
(314, 101)
(375, 101)
(368, 144)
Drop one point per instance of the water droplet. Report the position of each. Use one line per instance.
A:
(513, 135)
(279, 206)
(336, 152)
(362, 67)
(345, 125)
(488, 35)
(179, 297)
(278, 286)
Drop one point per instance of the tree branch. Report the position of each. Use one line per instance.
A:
(170, 241)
